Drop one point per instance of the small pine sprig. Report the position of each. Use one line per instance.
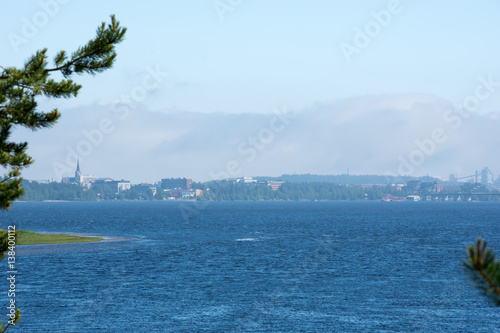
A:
(17, 317)
(484, 269)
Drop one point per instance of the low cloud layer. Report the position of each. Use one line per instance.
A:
(393, 134)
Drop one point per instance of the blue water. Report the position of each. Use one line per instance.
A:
(253, 267)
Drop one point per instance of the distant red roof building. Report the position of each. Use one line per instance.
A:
(275, 185)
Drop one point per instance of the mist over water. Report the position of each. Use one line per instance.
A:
(408, 134)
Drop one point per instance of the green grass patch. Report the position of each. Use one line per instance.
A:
(25, 237)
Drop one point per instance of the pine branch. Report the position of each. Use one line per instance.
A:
(20, 87)
(97, 55)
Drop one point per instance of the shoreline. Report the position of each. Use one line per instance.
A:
(27, 237)
(259, 200)
(103, 238)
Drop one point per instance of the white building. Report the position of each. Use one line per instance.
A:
(246, 180)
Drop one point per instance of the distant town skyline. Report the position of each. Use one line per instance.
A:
(483, 176)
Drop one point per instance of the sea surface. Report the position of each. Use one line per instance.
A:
(252, 267)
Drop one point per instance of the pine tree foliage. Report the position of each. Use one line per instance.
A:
(484, 268)
(19, 88)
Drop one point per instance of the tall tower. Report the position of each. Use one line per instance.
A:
(78, 174)
(484, 176)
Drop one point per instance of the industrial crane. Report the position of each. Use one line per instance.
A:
(484, 176)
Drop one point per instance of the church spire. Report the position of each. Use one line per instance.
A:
(78, 166)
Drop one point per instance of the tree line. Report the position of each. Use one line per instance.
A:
(229, 191)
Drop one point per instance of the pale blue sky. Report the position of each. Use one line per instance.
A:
(268, 53)
(262, 55)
